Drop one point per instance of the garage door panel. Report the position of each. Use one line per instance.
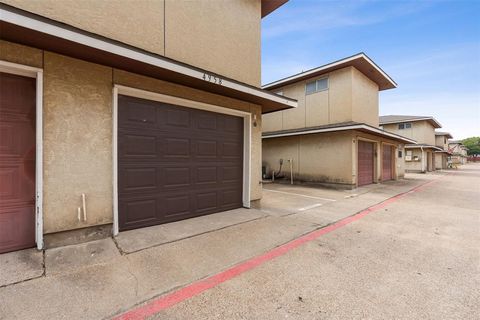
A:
(176, 177)
(134, 145)
(198, 161)
(138, 179)
(365, 162)
(206, 175)
(206, 149)
(387, 163)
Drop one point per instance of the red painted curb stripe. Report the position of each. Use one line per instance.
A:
(198, 287)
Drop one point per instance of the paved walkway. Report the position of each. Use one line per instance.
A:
(104, 278)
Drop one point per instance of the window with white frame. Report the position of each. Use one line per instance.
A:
(402, 126)
(317, 85)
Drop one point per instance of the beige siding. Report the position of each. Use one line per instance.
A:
(442, 142)
(421, 131)
(327, 157)
(351, 96)
(315, 157)
(220, 36)
(364, 99)
(16, 53)
(416, 166)
(340, 96)
(319, 108)
(77, 142)
(138, 23)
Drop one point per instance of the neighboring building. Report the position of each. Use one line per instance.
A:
(127, 114)
(442, 157)
(458, 151)
(332, 137)
(419, 157)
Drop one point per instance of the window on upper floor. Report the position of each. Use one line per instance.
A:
(317, 85)
(402, 126)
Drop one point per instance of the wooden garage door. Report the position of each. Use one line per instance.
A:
(176, 162)
(17, 162)
(387, 163)
(365, 162)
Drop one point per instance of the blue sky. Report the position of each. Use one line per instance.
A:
(430, 48)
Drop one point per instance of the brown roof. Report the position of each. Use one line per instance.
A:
(404, 118)
(268, 6)
(439, 133)
(360, 61)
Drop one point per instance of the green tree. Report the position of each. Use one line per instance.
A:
(472, 144)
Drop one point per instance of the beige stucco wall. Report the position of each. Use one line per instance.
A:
(78, 133)
(325, 158)
(421, 131)
(416, 166)
(220, 36)
(364, 99)
(351, 96)
(139, 23)
(442, 142)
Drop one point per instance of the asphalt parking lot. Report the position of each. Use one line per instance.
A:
(401, 250)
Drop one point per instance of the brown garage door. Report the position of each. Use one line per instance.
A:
(176, 162)
(17, 162)
(387, 163)
(365, 162)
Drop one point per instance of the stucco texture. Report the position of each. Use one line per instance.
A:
(219, 36)
(322, 158)
(77, 119)
(350, 96)
(139, 23)
(326, 157)
(17, 53)
(77, 142)
(421, 131)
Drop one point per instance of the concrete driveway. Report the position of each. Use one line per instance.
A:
(302, 253)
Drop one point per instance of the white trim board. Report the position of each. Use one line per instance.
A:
(84, 39)
(328, 66)
(333, 129)
(148, 95)
(37, 73)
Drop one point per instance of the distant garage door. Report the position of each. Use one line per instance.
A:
(365, 162)
(387, 163)
(176, 162)
(17, 162)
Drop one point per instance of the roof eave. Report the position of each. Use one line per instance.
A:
(388, 82)
(268, 6)
(37, 31)
(360, 127)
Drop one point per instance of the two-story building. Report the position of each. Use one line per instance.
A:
(332, 137)
(442, 157)
(117, 115)
(419, 157)
(458, 151)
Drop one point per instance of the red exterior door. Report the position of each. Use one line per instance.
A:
(387, 163)
(17, 162)
(365, 162)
